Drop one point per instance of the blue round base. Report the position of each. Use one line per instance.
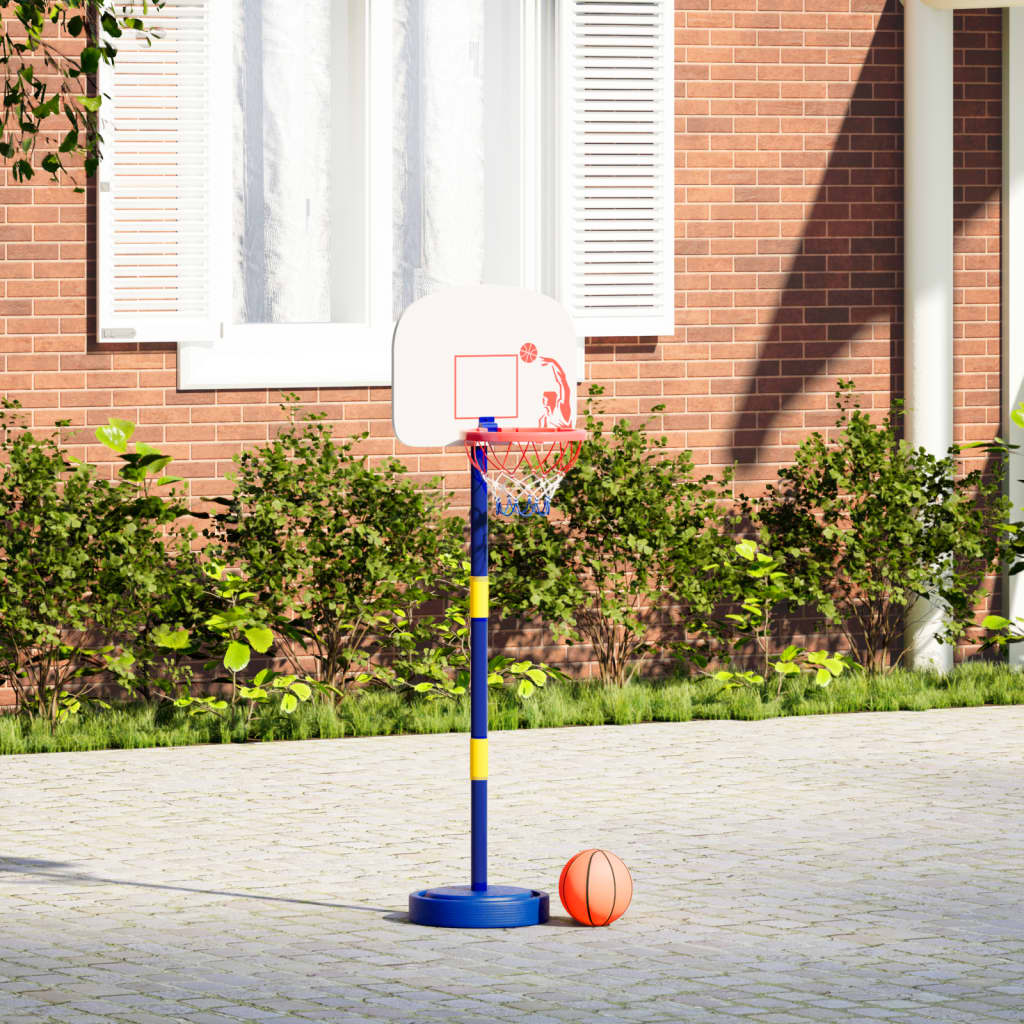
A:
(497, 906)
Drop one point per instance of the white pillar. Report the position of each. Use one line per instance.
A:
(928, 266)
(1013, 282)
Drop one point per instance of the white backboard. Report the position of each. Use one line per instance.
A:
(484, 350)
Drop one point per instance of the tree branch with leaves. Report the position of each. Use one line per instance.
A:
(51, 52)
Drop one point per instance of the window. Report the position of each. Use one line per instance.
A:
(273, 206)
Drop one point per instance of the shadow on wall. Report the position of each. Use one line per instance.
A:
(843, 296)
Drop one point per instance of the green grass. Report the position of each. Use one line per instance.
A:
(384, 714)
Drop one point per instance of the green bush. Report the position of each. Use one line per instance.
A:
(762, 592)
(355, 565)
(1003, 632)
(634, 539)
(329, 557)
(867, 523)
(86, 566)
(164, 591)
(350, 564)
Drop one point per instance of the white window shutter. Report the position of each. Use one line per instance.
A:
(162, 178)
(616, 238)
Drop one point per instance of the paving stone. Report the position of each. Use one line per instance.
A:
(840, 869)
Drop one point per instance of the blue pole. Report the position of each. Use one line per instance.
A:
(478, 905)
(478, 613)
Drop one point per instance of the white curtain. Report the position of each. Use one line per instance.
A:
(284, 168)
(439, 215)
(282, 189)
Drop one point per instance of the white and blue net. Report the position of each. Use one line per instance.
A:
(523, 475)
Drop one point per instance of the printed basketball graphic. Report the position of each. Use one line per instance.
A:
(528, 352)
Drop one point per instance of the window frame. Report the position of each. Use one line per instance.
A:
(359, 354)
(321, 354)
(216, 353)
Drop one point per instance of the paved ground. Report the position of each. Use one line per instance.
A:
(853, 868)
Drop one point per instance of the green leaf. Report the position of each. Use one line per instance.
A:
(260, 638)
(48, 108)
(173, 639)
(995, 622)
(537, 676)
(789, 653)
(823, 677)
(786, 668)
(302, 690)
(91, 103)
(237, 656)
(746, 549)
(116, 434)
(525, 689)
(90, 60)
(289, 702)
(152, 464)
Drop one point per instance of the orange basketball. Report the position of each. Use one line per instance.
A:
(595, 887)
(528, 352)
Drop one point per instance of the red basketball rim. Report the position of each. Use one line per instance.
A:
(542, 451)
(539, 435)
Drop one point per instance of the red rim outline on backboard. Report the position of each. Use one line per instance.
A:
(455, 381)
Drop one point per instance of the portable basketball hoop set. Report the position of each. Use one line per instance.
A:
(486, 366)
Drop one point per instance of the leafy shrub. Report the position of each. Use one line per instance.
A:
(346, 559)
(762, 591)
(867, 523)
(1002, 631)
(85, 563)
(635, 537)
(164, 590)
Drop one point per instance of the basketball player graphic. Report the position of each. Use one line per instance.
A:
(558, 403)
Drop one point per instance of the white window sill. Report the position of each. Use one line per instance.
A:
(303, 356)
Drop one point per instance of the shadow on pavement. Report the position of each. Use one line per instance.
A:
(58, 871)
(63, 872)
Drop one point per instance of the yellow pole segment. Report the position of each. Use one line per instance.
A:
(478, 597)
(477, 759)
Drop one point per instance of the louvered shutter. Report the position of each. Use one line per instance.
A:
(163, 176)
(616, 240)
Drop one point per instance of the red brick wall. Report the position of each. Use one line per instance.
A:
(789, 220)
(788, 260)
